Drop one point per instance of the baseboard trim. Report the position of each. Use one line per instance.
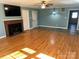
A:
(30, 28)
(2, 36)
(78, 29)
(52, 27)
(34, 27)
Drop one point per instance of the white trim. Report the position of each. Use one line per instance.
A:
(26, 21)
(52, 27)
(77, 28)
(2, 36)
(68, 18)
(34, 27)
(78, 23)
(31, 28)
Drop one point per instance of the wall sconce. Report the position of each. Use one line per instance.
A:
(54, 12)
(43, 6)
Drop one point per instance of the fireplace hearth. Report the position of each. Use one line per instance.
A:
(13, 27)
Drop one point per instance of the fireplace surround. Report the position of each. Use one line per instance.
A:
(13, 27)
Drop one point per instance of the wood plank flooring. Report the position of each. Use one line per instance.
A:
(55, 43)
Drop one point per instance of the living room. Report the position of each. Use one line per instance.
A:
(39, 29)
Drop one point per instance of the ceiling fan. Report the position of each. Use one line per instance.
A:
(45, 4)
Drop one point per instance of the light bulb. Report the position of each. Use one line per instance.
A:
(54, 12)
(6, 8)
(43, 6)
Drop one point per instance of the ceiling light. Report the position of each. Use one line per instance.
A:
(43, 6)
(6, 8)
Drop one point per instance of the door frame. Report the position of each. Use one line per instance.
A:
(34, 19)
(25, 17)
(68, 18)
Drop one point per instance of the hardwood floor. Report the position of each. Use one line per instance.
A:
(55, 43)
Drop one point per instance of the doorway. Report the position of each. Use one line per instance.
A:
(73, 20)
(34, 19)
(26, 21)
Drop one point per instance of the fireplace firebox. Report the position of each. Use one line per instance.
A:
(13, 27)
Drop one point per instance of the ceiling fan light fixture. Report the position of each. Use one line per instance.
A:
(43, 6)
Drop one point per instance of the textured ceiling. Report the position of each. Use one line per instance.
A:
(33, 3)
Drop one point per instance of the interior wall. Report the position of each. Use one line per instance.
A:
(60, 19)
(2, 29)
(3, 18)
(45, 18)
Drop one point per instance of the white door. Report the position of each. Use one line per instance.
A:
(34, 19)
(25, 16)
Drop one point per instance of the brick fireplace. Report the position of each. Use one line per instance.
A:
(13, 27)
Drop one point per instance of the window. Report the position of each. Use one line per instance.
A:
(74, 14)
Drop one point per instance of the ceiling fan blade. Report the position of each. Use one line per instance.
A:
(48, 5)
(43, 2)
